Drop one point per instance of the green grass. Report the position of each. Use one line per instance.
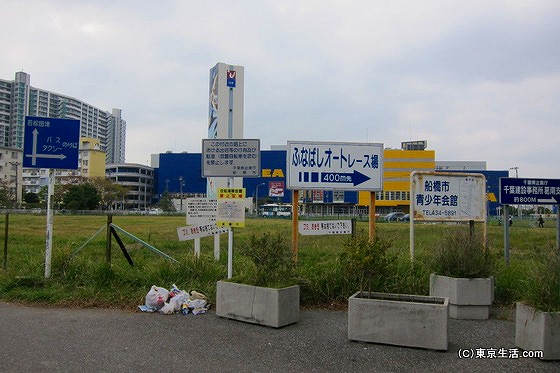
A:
(85, 279)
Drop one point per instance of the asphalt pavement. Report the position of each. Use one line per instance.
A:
(49, 339)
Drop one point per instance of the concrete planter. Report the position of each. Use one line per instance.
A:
(537, 331)
(258, 305)
(398, 319)
(469, 298)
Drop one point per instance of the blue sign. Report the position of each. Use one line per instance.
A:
(518, 191)
(231, 77)
(51, 143)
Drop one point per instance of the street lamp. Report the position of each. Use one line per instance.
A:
(181, 183)
(257, 197)
(516, 169)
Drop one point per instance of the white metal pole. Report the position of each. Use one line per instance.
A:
(217, 247)
(48, 241)
(197, 247)
(230, 253)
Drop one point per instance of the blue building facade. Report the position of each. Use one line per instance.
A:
(181, 173)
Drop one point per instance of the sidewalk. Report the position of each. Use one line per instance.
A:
(43, 339)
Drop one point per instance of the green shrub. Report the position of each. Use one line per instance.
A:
(541, 288)
(461, 254)
(271, 262)
(365, 263)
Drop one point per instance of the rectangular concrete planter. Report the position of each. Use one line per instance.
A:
(537, 331)
(398, 319)
(469, 298)
(258, 305)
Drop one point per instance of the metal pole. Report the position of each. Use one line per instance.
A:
(371, 216)
(230, 254)
(506, 233)
(50, 219)
(108, 240)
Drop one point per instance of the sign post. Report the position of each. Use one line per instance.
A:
(446, 196)
(533, 191)
(51, 143)
(334, 166)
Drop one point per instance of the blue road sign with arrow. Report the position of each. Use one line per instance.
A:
(51, 143)
(521, 191)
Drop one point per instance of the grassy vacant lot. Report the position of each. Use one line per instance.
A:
(85, 279)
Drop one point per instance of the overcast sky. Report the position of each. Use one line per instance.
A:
(479, 80)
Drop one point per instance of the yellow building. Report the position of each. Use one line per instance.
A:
(397, 166)
(91, 158)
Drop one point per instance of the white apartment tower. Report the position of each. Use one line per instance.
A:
(19, 99)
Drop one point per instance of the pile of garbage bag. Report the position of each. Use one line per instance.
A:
(173, 301)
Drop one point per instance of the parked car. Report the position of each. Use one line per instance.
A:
(394, 216)
(406, 217)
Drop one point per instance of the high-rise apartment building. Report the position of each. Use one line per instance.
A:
(19, 99)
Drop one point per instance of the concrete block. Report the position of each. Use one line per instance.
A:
(258, 305)
(469, 298)
(537, 331)
(399, 319)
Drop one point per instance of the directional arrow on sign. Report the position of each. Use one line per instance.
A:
(354, 178)
(547, 200)
(34, 155)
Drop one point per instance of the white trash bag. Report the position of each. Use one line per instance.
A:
(156, 297)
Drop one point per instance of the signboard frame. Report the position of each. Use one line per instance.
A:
(446, 193)
(334, 166)
(529, 191)
(231, 158)
(51, 143)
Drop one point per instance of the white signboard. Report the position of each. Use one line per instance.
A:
(197, 231)
(448, 196)
(201, 210)
(316, 228)
(340, 166)
(231, 158)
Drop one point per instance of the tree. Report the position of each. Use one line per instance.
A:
(166, 203)
(31, 198)
(6, 196)
(81, 197)
(58, 195)
(108, 191)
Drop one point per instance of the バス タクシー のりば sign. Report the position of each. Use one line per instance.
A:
(336, 166)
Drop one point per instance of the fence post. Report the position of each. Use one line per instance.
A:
(108, 241)
(6, 240)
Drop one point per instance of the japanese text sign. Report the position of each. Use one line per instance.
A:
(231, 207)
(51, 143)
(448, 196)
(231, 158)
(520, 191)
(341, 166)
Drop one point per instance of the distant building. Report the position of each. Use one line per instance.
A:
(139, 180)
(91, 159)
(19, 99)
(11, 171)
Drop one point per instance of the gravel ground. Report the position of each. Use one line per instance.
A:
(42, 339)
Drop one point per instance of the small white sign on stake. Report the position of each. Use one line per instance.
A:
(197, 231)
(325, 227)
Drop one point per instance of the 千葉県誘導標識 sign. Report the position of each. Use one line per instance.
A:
(520, 191)
(51, 143)
(337, 166)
